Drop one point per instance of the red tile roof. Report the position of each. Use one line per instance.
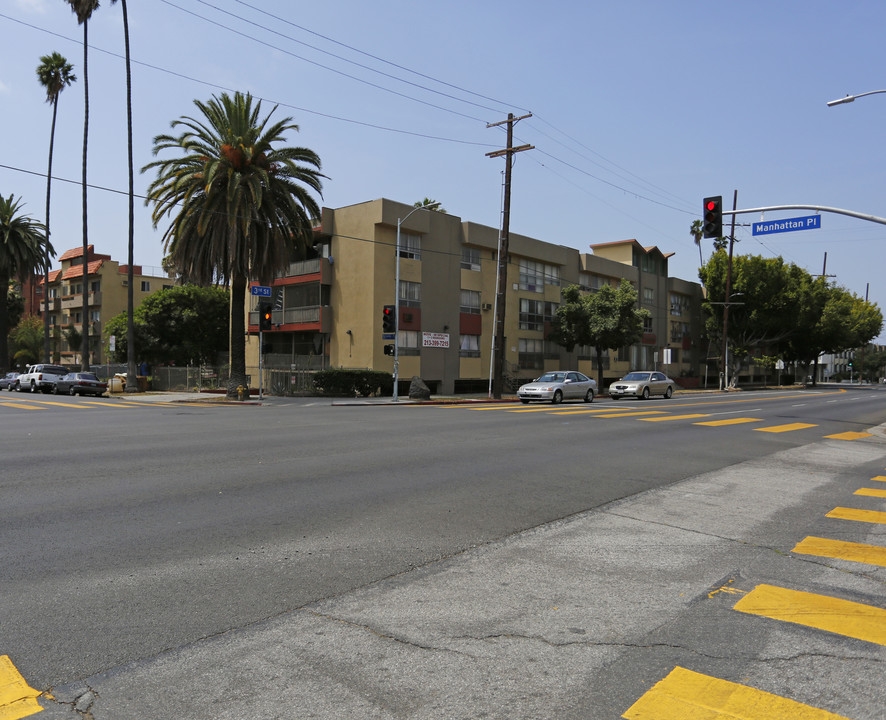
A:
(76, 271)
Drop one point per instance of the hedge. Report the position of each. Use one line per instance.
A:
(353, 383)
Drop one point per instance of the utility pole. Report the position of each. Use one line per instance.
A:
(728, 298)
(498, 347)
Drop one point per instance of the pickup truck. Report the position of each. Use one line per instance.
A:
(40, 377)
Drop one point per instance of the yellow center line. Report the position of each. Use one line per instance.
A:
(676, 417)
(688, 695)
(823, 612)
(842, 550)
(17, 699)
(871, 492)
(728, 421)
(869, 516)
(785, 428)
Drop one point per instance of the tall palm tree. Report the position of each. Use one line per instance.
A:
(83, 9)
(130, 303)
(55, 73)
(24, 250)
(697, 232)
(240, 207)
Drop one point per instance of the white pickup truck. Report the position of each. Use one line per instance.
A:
(40, 377)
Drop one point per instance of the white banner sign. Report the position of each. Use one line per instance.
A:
(439, 340)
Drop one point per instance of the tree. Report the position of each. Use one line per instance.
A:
(606, 319)
(24, 250)
(241, 208)
(55, 73)
(427, 202)
(180, 325)
(83, 9)
(697, 232)
(28, 339)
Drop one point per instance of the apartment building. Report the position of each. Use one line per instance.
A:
(108, 297)
(327, 311)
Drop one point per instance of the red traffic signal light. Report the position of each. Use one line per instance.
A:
(712, 224)
(389, 319)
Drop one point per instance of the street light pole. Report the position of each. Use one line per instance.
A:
(851, 98)
(431, 206)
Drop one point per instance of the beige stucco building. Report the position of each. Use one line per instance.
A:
(107, 298)
(328, 309)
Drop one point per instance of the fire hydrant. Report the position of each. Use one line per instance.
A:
(241, 392)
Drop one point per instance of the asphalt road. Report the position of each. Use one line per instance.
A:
(142, 540)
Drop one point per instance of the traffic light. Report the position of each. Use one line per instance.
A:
(713, 217)
(389, 349)
(389, 319)
(264, 316)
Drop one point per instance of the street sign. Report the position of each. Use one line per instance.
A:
(787, 225)
(260, 290)
(387, 336)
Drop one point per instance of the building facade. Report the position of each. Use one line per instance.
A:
(108, 297)
(327, 311)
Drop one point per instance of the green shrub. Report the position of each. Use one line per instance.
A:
(353, 383)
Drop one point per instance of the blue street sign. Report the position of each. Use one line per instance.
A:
(787, 225)
(387, 336)
(260, 290)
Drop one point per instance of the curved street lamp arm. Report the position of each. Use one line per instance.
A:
(851, 98)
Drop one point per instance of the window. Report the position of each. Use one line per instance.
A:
(648, 294)
(647, 324)
(591, 282)
(470, 258)
(53, 293)
(410, 294)
(146, 286)
(469, 345)
(95, 286)
(470, 302)
(531, 353)
(410, 246)
(534, 313)
(679, 304)
(408, 341)
(95, 315)
(678, 330)
(535, 275)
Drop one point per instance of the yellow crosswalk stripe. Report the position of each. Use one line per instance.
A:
(728, 421)
(849, 435)
(823, 612)
(17, 699)
(880, 478)
(842, 550)
(630, 413)
(688, 695)
(871, 492)
(870, 516)
(676, 417)
(785, 428)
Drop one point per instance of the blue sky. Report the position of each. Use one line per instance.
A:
(640, 109)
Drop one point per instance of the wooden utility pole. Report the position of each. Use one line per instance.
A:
(498, 348)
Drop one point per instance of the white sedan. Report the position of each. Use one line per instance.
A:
(558, 386)
(642, 385)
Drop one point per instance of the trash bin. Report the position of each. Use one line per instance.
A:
(142, 381)
(115, 385)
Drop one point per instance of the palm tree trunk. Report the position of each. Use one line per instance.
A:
(130, 302)
(237, 336)
(4, 322)
(84, 357)
(46, 349)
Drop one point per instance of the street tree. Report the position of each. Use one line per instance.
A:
(54, 73)
(24, 251)
(240, 206)
(181, 325)
(83, 9)
(27, 337)
(606, 319)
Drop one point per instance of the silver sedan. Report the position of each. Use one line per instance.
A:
(558, 386)
(642, 385)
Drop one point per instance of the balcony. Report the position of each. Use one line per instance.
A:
(314, 266)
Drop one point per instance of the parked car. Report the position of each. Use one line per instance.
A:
(8, 380)
(642, 385)
(80, 383)
(558, 386)
(40, 377)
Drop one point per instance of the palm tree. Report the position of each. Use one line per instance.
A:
(55, 73)
(83, 9)
(130, 304)
(24, 250)
(240, 207)
(697, 232)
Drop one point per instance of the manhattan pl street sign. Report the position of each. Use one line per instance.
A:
(787, 225)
